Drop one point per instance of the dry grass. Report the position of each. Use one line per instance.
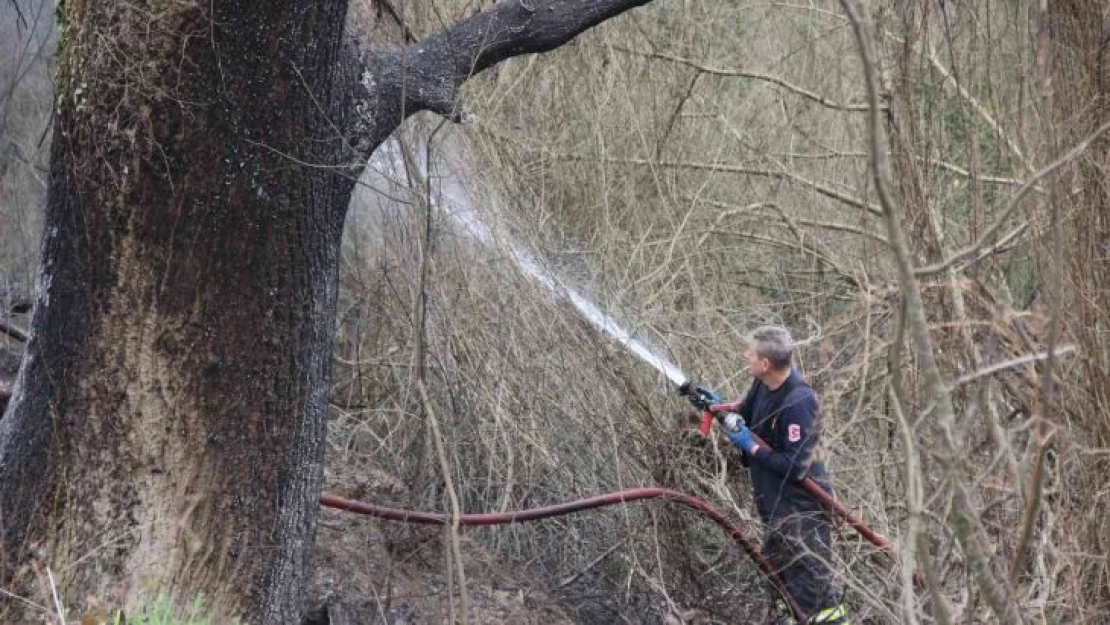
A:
(702, 167)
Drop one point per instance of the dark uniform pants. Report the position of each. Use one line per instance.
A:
(797, 547)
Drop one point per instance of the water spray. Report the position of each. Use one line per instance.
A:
(454, 201)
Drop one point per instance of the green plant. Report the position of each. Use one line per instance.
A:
(163, 612)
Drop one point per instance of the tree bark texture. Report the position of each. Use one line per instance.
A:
(165, 432)
(1079, 31)
(1079, 35)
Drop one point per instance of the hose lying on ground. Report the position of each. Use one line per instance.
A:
(597, 501)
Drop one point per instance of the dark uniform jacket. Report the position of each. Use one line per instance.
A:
(788, 419)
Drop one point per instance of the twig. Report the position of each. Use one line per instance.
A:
(740, 73)
(13, 331)
(1010, 364)
(57, 602)
(592, 563)
(821, 188)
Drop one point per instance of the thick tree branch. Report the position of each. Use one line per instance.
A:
(426, 75)
(515, 27)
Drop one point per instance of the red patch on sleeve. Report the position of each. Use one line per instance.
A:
(794, 433)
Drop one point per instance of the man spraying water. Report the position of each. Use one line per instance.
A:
(781, 409)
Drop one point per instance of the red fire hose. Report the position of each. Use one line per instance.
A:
(636, 494)
(820, 494)
(624, 496)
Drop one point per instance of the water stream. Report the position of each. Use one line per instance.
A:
(453, 199)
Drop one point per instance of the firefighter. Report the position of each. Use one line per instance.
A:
(783, 410)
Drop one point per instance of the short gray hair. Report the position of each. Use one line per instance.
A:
(773, 343)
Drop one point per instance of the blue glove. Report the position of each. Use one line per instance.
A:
(742, 438)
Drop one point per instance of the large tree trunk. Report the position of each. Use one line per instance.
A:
(165, 431)
(168, 421)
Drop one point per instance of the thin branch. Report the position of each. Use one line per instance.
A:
(23, 600)
(800, 246)
(819, 249)
(452, 497)
(819, 187)
(1056, 302)
(592, 563)
(732, 209)
(422, 176)
(13, 331)
(960, 171)
(1013, 363)
(1033, 503)
(917, 536)
(1012, 206)
(666, 134)
(398, 19)
(951, 81)
(54, 594)
(21, 21)
(740, 73)
(916, 539)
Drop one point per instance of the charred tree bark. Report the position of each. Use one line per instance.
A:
(165, 433)
(167, 425)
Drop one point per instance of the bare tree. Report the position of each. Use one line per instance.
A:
(165, 431)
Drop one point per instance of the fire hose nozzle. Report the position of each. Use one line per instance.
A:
(701, 399)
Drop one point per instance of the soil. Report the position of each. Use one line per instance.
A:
(374, 571)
